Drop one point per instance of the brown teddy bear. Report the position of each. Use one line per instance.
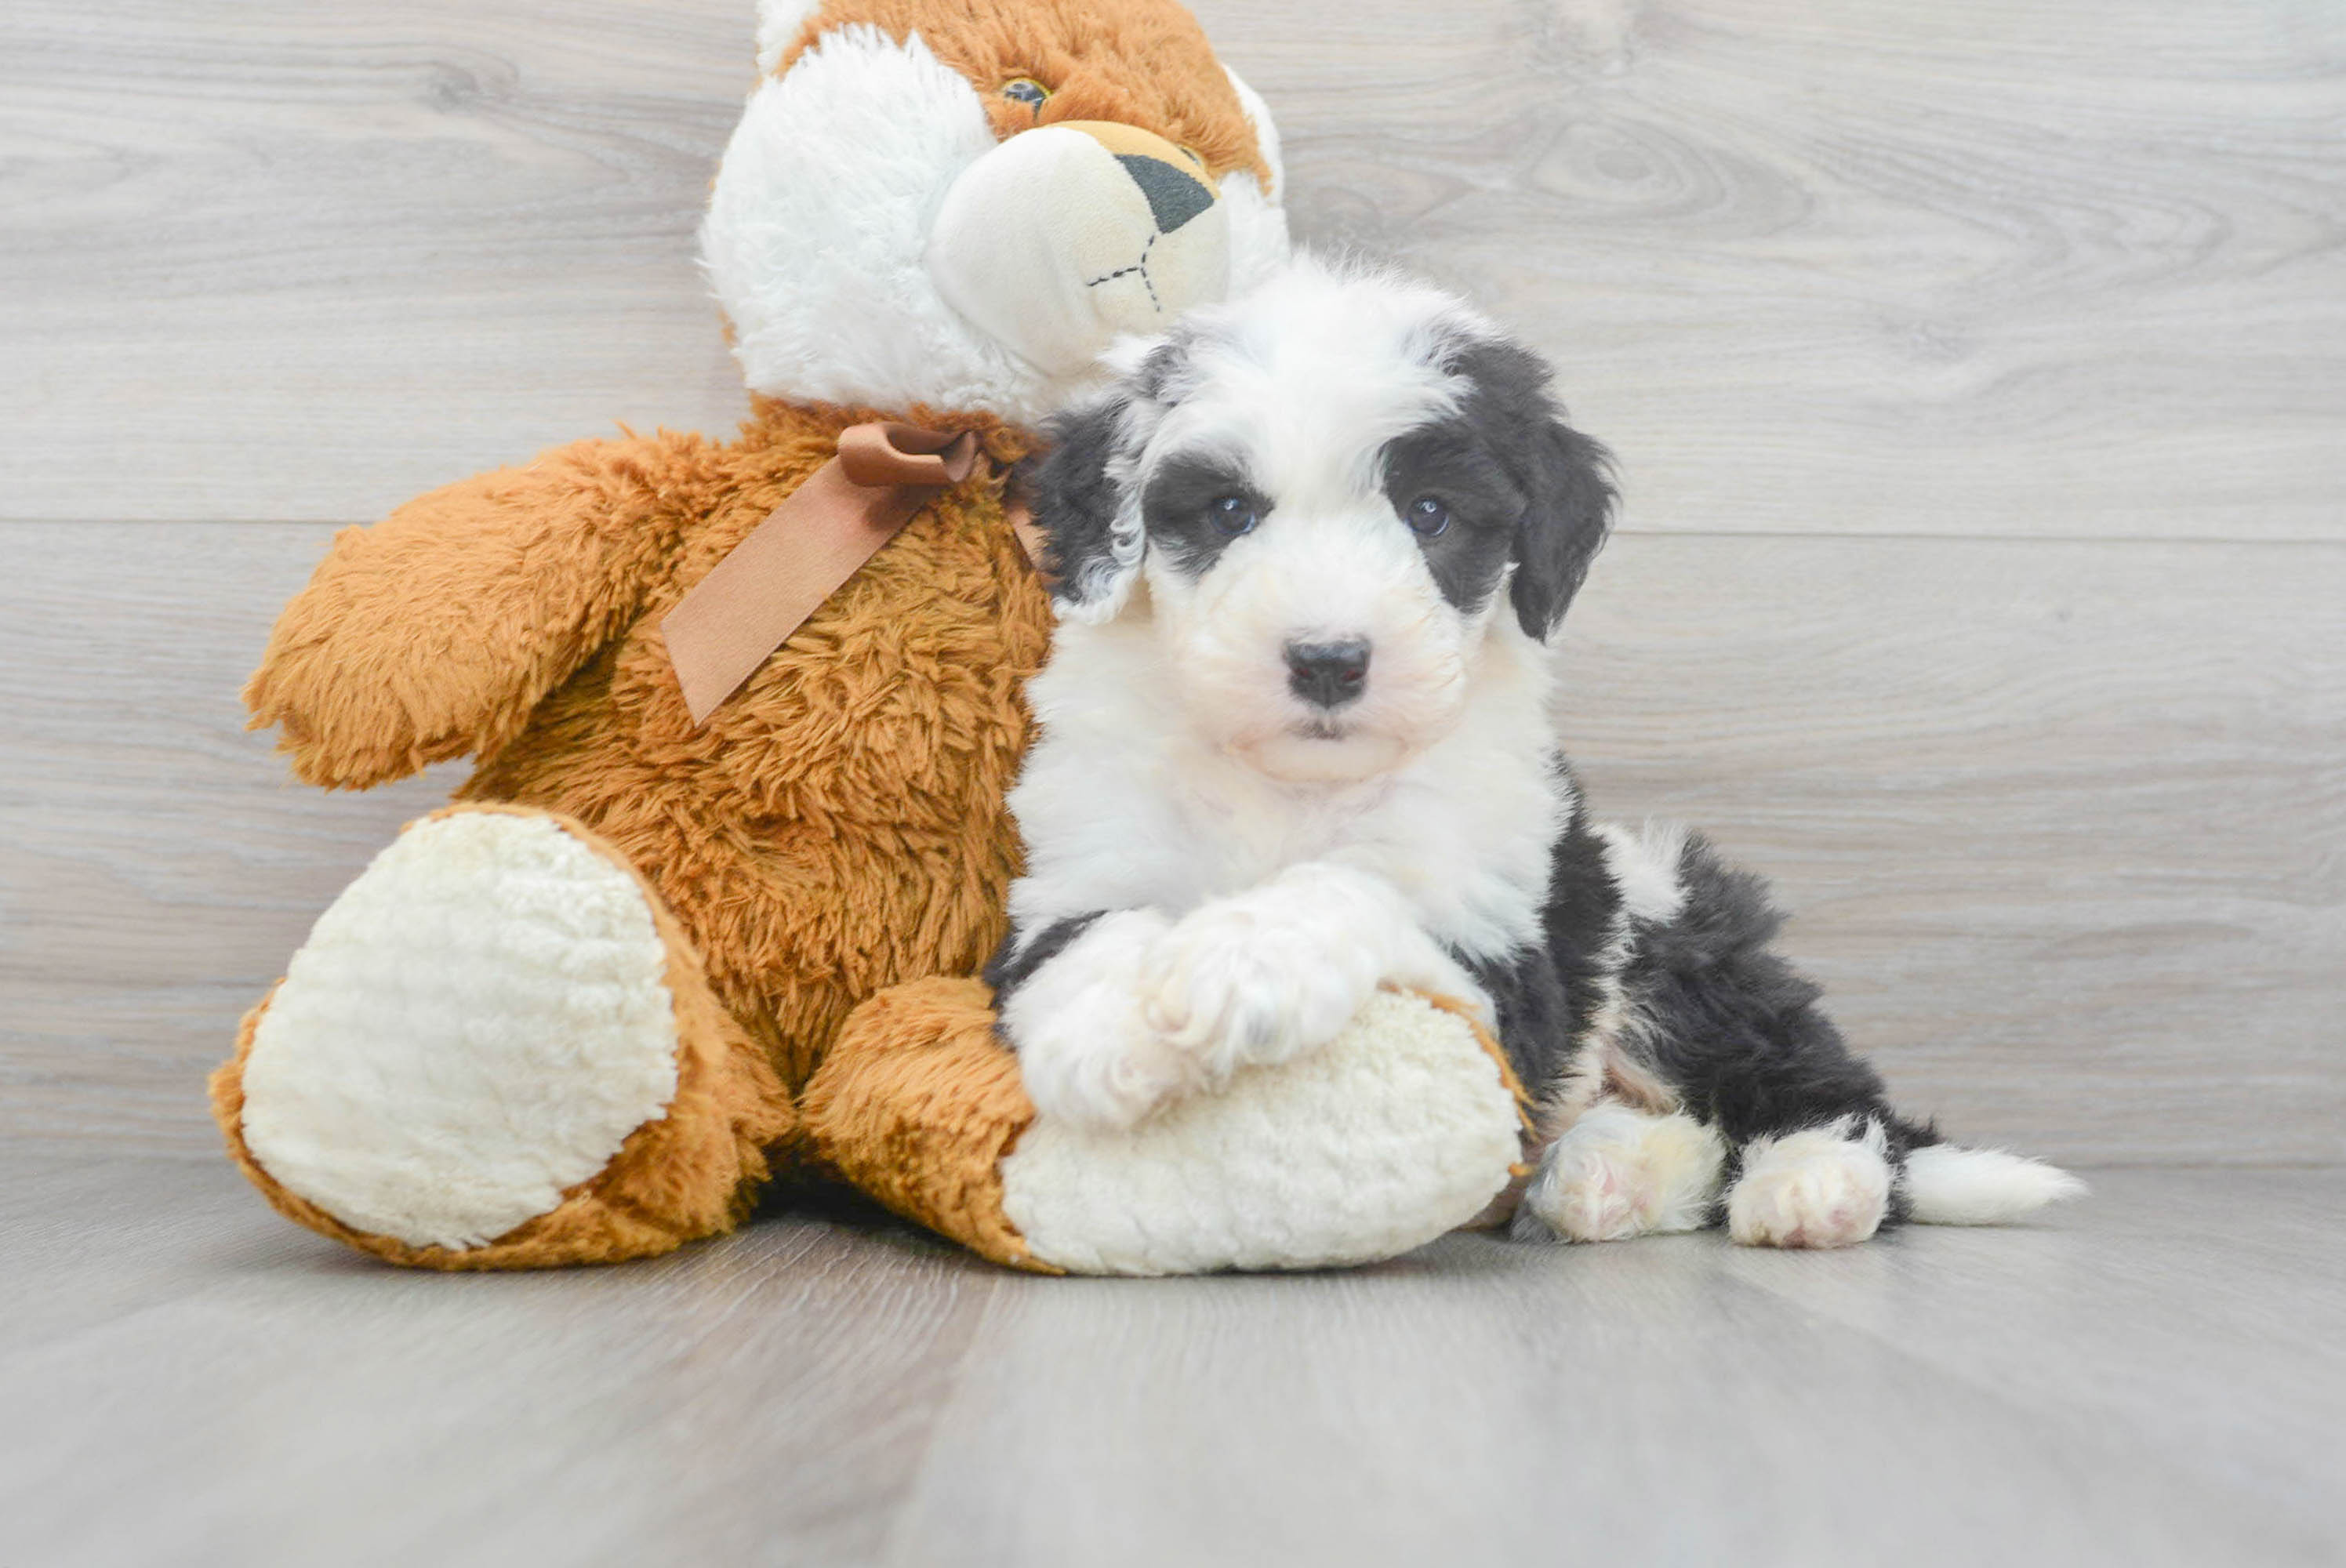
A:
(745, 715)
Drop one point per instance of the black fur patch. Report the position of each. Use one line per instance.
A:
(1534, 1018)
(1736, 1030)
(1014, 963)
(1076, 503)
(1563, 473)
(1178, 502)
(1545, 996)
(1581, 903)
(1453, 463)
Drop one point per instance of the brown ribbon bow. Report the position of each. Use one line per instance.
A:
(764, 589)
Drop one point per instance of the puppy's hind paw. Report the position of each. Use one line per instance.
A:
(1620, 1172)
(1824, 1188)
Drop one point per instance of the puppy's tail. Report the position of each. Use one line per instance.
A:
(1950, 1186)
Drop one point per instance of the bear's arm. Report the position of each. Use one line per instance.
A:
(434, 632)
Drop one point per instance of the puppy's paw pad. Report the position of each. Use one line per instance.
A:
(1597, 1199)
(1814, 1189)
(1620, 1173)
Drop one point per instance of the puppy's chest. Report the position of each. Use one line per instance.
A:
(1222, 841)
(1458, 864)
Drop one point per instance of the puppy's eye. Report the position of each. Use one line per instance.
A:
(1233, 514)
(1029, 91)
(1428, 515)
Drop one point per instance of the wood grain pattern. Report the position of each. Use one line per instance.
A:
(2151, 1378)
(1874, 266)
(2061, 823)
(1878, 267)
(301, 260)
(537, 1418)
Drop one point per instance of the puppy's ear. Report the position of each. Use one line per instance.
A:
(1566, 475)
(1571, 511)
(1092, 540)
(1081, 487)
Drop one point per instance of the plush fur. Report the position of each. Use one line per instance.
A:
(838, 826)
(1297, 744)
(1388, 1136)
(687, 1174)
(875, 113)
(1141, 63)
(452, 1126)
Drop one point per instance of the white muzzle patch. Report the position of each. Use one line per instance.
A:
(1068, 236)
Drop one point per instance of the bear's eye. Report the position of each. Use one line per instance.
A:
(1428, 516)
(1233, 514)
(1029, 91)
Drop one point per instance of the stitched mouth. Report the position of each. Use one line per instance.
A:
(1140, 267)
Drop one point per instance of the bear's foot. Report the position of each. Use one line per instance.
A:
(1402, 1127)
(497, 1049)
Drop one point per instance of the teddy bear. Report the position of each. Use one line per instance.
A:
(744, 714)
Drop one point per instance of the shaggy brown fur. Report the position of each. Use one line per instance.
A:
(1142, 63)
(836, 827)
(917, 1104)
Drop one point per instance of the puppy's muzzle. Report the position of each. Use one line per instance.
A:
(1328, 674)
(1068, 235)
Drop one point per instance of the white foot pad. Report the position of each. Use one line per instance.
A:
(1619, 1172)
(1397, 1130)
(476, 1024)
(1825, 1188)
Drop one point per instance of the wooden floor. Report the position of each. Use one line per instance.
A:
(1977, 373)
(2154, 1376)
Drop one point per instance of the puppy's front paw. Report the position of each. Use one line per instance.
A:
(1823, 1187)
(1084, 1052)
(1239, 981)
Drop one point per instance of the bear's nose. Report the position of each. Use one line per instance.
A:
(1175, 195)
(1329, 674)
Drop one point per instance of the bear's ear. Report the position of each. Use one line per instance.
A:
(1266, 134)
(778, 21)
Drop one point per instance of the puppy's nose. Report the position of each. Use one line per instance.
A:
(1330, 674)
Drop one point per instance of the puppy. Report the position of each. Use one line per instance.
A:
(1296, 741)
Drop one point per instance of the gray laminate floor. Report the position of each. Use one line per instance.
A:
(2158, 1375)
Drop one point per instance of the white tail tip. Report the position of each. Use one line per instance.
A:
(1948, 1185)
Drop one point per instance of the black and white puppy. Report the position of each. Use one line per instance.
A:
(1296, 740)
